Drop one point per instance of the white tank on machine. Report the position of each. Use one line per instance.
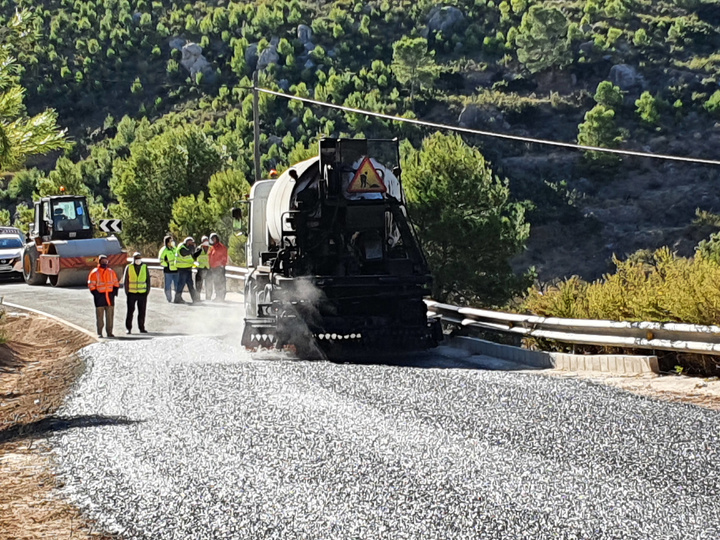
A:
(281, 198)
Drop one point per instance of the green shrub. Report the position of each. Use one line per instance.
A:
(710, 248)
(703, 218)
(712, 105)
(648, 108)
(599, 130)
(136, 87)
(641, 39)
(609, 95)
(650, 286)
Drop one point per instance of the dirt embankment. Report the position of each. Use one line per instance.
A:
(37, 368)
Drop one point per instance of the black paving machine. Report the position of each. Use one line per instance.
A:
(334, 264)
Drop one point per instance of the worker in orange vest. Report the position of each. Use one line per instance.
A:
(104, 286)
(218, 256)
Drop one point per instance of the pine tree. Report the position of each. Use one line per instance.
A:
(542, 39)
(470, 225)
(413, 64)
(21, 136)
(599, 130)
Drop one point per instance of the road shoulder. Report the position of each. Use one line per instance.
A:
(37, 369)
(703, 392)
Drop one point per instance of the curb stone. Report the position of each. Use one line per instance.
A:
(623, 364)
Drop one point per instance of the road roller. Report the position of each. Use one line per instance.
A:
(61, 248)
(334, 264)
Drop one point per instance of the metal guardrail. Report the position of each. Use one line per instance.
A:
(689, 338)
(231, 272)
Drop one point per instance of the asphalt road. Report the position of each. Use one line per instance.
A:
(163, 319)
(188, 436)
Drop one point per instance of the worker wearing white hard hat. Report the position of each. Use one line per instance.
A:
(104, 286)
(136, 282)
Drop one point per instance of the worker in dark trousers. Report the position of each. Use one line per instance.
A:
(137, 287)
(184, 261)
(167, 261)
(104, 286)
(202, 263)
(218, 256)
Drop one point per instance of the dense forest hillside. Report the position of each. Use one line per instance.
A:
(132, 80)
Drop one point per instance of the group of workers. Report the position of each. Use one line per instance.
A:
(209, 259)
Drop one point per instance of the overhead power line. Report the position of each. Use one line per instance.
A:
(493, 134)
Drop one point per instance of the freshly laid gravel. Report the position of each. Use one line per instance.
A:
(230, 446)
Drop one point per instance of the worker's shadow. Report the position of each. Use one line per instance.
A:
(53, 424)
(145, 337)
(216, 305)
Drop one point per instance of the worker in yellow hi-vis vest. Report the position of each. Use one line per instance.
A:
(202, 263)
(137, 287)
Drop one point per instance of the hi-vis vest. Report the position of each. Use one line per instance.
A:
(137, 283)
(203, 260)
(170, 254)
(183, 261)
(103, 280)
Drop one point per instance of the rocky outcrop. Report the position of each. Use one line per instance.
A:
(474, 116)
(177, 43)
(194, 61)
(269, 55)
(444, 19)
(251, 56)
(304, 33)
(626, 77)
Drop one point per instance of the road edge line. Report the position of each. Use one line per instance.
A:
(53, 317)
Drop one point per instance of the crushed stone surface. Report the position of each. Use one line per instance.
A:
(228, 445)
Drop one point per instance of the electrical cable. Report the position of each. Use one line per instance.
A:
(493, 134)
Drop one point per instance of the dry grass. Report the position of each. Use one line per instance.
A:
(37, 368)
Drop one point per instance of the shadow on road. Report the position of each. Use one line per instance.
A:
(214, 305)
(145, 337)
(8, 362)
(48, 426)
(440, 358)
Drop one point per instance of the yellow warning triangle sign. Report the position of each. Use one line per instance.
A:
(367, 179)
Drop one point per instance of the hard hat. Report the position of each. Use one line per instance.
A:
(101, 257)
(204, 238)
(273, 172)
(189, 239)
(137, 254)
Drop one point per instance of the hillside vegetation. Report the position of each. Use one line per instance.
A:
(155, 96)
